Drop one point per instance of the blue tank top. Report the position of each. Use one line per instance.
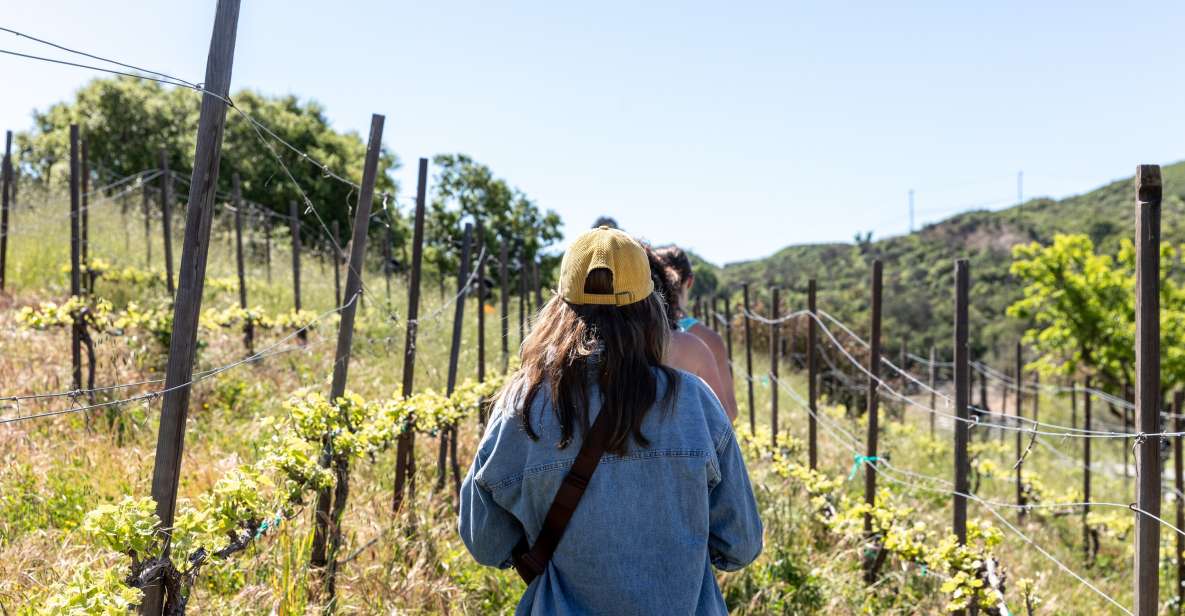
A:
(686, 323)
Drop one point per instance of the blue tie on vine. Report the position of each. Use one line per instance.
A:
(861, 460)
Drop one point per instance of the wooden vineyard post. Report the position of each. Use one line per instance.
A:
(728, 332)
(1020, 489)
(345, 338)
(522, 291)
(504, 297)
(933, 391)
(812, 369)
(405, 460)
(1086, 534)
(962, 399)
(75, 255)
(1147, 399)
(85, 223)
(748, 356)
(248, 322)
(170, 443)
(448, 436)
(1179, 467)
(166, 207)
(774, 330)
(294, 229)
(870, 458)
(480, 279)
(6, 188)
(337, 258)
(147, 225)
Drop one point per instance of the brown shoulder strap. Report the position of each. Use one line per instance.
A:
(531, 561)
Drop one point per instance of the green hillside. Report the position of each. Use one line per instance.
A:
(918, 280)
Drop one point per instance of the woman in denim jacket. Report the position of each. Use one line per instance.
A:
(671, 498)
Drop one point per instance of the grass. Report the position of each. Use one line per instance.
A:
(54, 470)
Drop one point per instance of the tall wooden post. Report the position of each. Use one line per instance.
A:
(874, 362)
(405, 460)
(522, 291)
(294, 229)
(448, 436)
(504, 297)
(248, 324)
(1020, 489)
(1086, 534)
(749, 358)
(934, 392)
(6, 178)
(345, 336)
(812, 370)
(337, 263)
(85, 222)
(170, 444)
(962, 399)
(480, 279)
(1147, 578)
(75, 258)
(774, 342)
(166, 213)
(1179, 467)
(728, 332)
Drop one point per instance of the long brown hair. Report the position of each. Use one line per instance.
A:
(622, 347)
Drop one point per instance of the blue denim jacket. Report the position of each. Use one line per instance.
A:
(651, 524)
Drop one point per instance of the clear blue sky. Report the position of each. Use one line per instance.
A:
(731, 128)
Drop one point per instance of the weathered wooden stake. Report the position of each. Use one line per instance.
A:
(522, 291)
(480, 279)
(1179, 467)
(962, 399)
(774, 342)
(248, 323)
(170, 443)
(448, 436)
(1086, 534)
(1020, 489)
(1147, 558)
(294, 229)
(345, 337)
(6, 178)
(504, 297)
(75, 258)
(749, 358)
(405, 460)
(166, 212)
(874, 361)
(728, 332)
(812, 369)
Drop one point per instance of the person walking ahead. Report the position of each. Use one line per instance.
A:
(612, 483)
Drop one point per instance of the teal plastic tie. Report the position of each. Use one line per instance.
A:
(861, 460)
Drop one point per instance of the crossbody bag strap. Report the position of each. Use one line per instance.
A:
(531, 561)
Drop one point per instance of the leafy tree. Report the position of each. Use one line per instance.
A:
(126, 122)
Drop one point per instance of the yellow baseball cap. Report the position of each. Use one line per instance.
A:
(611, 249)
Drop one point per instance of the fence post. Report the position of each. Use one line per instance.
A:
(345, 336)
(147, 226)
(480, 278)
(1086, 534)
(522, 291)
(1179, 427)
(1020, 490)
(749, 357)
(962, 398)
(933, 391)
(448, 436)
(294, 229)
(7, 190)
(337, 259)
(812, 368)
(405, 460)
(166, 214)
(203, 184)
(504, 297)
(75, 265)
(85, 232)
(248, 323)
(874, 360)
(728, 332)
(1147, 578)
(774, 341)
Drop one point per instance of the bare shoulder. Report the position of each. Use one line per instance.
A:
(690, 354)
(705, 334)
